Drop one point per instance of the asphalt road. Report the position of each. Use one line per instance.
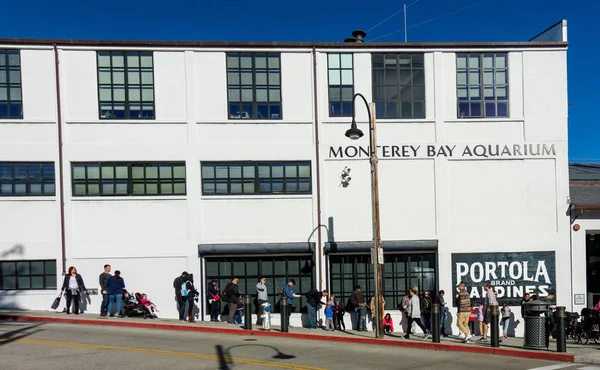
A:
(28, 346)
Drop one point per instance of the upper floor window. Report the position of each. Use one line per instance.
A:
(399, 85)
(256, 178)
(254, 85)
(11, 104)
(27, 179)
(126, 85)
(124, 178)
(482, 85)
(341, 84)
(27, 275)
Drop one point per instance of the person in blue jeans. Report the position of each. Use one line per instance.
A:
(440, 300)
(313, 301)
(104, 276)
(115, 286)
(360, 308)
(288, 292)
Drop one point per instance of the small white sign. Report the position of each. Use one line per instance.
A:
(380, 256)
(579, 299)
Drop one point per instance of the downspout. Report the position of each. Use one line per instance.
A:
(317, 167)
(60, 163)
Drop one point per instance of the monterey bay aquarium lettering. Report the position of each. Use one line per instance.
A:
(510, 274)
(446, 151)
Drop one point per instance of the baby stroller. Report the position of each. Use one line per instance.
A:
(148, 313)
(590, 328)
(132, 307)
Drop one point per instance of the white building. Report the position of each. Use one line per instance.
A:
(225, 159)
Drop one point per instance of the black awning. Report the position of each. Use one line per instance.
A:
(255, 248)
(387, 245)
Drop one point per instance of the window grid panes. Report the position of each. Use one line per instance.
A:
(341, 84)
(399, 85)
(277, 271)
(126, 84)
(27, 179)
(11, 103)
(482, 85)
(233, 178)
(28, 275)
(128, 178)
(254, 85)
(400, 272)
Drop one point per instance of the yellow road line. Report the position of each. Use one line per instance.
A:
(169, 353)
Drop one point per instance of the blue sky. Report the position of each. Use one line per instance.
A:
(333, 20)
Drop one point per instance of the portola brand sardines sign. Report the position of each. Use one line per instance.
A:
(466, 151)
(510, 274)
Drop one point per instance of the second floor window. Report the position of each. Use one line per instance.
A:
(126, 85)
(341, 84)
(482, 85)
(399, 85)
(254, 85)
(26, 179)
(11, 104)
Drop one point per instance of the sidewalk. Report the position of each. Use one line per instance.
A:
(509, 347)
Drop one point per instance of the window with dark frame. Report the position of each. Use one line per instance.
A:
(126, 84)
(254, 85)
(242, 178)
(28, 275)
(482, 85)
(400, 272)
(341, 84)
(278, 270)
(399, 85)
(128, 178)
(11, 102)
(27, 179)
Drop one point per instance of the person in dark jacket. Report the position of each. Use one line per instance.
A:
(313, 300)
(360, 311)
(181, 301)
(212, 293)
(189, 293)
(232, 292)
(427, 304)
(103, 280)
(74, 286)
(525, 300)
(115, 287)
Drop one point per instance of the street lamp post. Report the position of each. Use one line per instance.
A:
(355, 133)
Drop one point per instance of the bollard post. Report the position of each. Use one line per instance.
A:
(494, 330)
(247, 312)
(435, 323)
(284, 315)
(561, 335)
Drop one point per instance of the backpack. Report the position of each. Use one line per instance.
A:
(184, 290)
(225, 294)
(404, 305)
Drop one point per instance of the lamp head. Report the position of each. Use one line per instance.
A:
(354, 132)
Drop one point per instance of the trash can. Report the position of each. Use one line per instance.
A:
(535, 324)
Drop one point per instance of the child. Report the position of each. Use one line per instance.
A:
(329, 316)
(388, 323)
(240, 311)
(480, 317)
(472, 320)
(505, 310)
(339, 316)
(149, 305)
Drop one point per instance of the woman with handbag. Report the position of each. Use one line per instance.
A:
(212, 293)
(73, 284)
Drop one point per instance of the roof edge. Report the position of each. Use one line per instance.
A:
(586, 207)
(240, 44)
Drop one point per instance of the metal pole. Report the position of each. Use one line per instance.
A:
(435, 323)
(561, 337)
(376, 225)
(405, 28)
(284, 315)
(248, 312)
(495, 335)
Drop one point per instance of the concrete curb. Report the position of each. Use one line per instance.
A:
(539, 355)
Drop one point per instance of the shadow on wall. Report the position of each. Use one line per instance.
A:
(17, 249)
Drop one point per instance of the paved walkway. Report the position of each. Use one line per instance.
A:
(509, 347)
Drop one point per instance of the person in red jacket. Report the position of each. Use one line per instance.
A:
(472, 320)
(388, 323)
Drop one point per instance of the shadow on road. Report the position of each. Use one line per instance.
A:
(225, 359)
(16, 334)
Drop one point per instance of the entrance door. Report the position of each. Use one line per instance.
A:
(593, 269)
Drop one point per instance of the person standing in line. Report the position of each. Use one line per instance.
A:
(288, 292)
(414, 313)
(440, 300)
(73, 284)
(262, 296)
(329, 314)
(373, 309)
(212, 293)
(181, 301)
(426, 312)
(464, 311)
(339, 315)
(505, 311)
(103, 280)
(523, 302)
(472, 318)
(480, 317)
(232, 292)
(313, 302)
(490, 300)
(188, 294)
(115, 286)
(358, 302)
